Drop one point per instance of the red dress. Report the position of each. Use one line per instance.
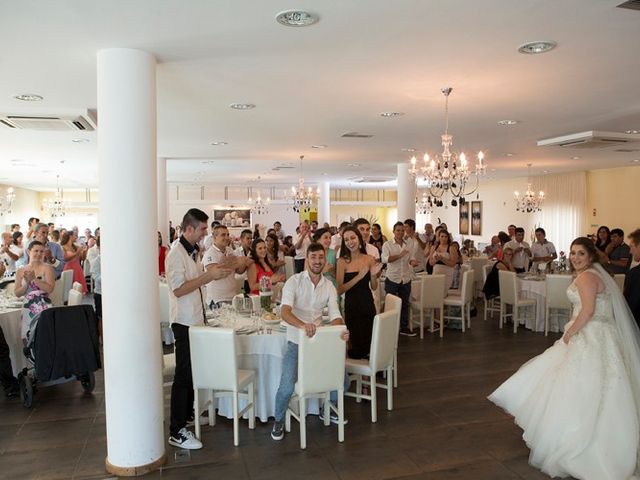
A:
(161, 256)
(261, 273)
(78, 274)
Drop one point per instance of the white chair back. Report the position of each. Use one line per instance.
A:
(67, 282)
(466, 290)
(321, 360)
(383, 340)
(77, 286)
(391, 302)
(57, 296)
(163, 294)
(485, 273)
(10, 289)
(508, 287)
(86, 268)
(213, 358)
(239, 282)
(75, 298)
(289, 268)
(619, 278)
(477, 265)
(433, 288)
(556, 291)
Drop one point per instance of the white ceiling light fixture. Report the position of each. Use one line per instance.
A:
(529, 202)
(408, 149)
(448, 172)
(537, 47)
(391, 114)
(56, 205)
(508, 154)
(319, 146)
(632, 132)
(218, 144)
(259, 206)
(6, 201)
(424, 204)
(242, 106)
(80, 140)
(303, 198)
(508, 122)
(29, 97)
(296, 18)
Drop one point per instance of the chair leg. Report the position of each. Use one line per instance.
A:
(212, 409)
(463, 316)
(441, 321)
(469, 315)
(341, 414)
(326, 410)
(421, 324)
(374, 400)
(303, 423)
(287, 419)
(395, 368)
(432, 322)
(252, 410)
(546, 322)
(501, 313)
(196, 408)
(359, 388)
(236, 420)
(516, 318)
(389, 394)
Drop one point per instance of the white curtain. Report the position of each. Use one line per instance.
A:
(563, 211)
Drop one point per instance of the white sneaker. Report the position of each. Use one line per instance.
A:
(185, 439)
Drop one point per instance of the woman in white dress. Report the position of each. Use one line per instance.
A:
(579, 401)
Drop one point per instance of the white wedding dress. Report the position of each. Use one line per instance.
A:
(578, 403)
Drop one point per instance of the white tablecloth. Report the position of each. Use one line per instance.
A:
(536, 289)
(11, 323)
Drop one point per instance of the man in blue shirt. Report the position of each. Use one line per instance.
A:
(53, 253)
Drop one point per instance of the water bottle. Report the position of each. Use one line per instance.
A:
(265, 293)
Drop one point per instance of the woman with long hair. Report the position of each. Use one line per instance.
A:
(491, 288)
(444, 256)
(73, 255)
(603, 238)
(274, 254)
(579, 401)
(357, 275)
(377, 239)
(261, 266)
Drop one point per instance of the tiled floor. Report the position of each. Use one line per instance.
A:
(442, 426)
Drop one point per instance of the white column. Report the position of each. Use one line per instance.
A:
(324, 204)
(129, 259)
(163, 201)
(406, 193)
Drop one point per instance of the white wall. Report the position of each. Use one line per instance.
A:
(25, 205)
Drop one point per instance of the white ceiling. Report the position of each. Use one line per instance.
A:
(313, 84)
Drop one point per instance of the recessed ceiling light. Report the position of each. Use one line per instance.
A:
(545, 171)
(575, 158)
(80, 140)
(353, 165)
(242, 106)
(635, 161)
(208, 162)
(391, 114)
(534, 48)
(408, 149)
(296, 18)
(634, 132)
(508, 154)
(318, 146)
(217, 144)
(29, 97)
(508, 122)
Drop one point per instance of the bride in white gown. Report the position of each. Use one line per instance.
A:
(579, 401)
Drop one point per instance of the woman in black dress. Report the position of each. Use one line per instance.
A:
(357, 275)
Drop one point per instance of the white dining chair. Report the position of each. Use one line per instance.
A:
(415, 302)
(431, 299)
(462, 301)
(289, 268)
(75, 298)
(385, 326)
(509, 296)
(67, 283)
(57, 296)
(77, 286)
(214, 367)
(477, 265)
(491, 305)
(619, 279)
(392, 303)
(165, 322)
(321, 364)
(556, 298)
(86, 271)
(239, 283)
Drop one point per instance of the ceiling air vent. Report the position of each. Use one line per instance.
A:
(83, 123)
(356, 135)
(590, 139)
(630, 4)
(371, 179)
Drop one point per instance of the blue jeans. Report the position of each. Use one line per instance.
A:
(402, 290)
(288, 380)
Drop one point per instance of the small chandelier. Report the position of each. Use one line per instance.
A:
(56, 206)
(6, 201)
(424, 204)
(303, 198)
(448, 172)
(529, 202)
(259, 206)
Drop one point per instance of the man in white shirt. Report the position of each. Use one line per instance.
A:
(208, 240)
(185, 279)
(304, 296)
(400, 262)
(511, 231)
(277, 226)
(416, 245)
(543, 250)
(301, 243)
(521, 251)
(221, 255)
(9, 253)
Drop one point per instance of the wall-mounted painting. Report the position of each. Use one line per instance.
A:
(476, 218)
(233, 217)
(464, 218)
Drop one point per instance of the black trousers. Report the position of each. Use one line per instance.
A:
(182, 388)
(298, 265)
(402, 290)
(97, 301)
(6, 371)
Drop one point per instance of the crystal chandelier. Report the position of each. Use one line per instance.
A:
(6, 201)
(56, 206)
(529, 201)
(424, 204)
(448, 172)
(303, 198)
(259, 206)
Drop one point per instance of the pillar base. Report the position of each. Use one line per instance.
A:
(135, 471)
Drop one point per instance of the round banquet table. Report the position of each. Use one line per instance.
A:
(536, 289)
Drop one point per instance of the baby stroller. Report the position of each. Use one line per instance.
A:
(62, 346)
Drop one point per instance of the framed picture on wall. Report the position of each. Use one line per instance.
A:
(233, 217)
(464, 219)
(476, 218)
